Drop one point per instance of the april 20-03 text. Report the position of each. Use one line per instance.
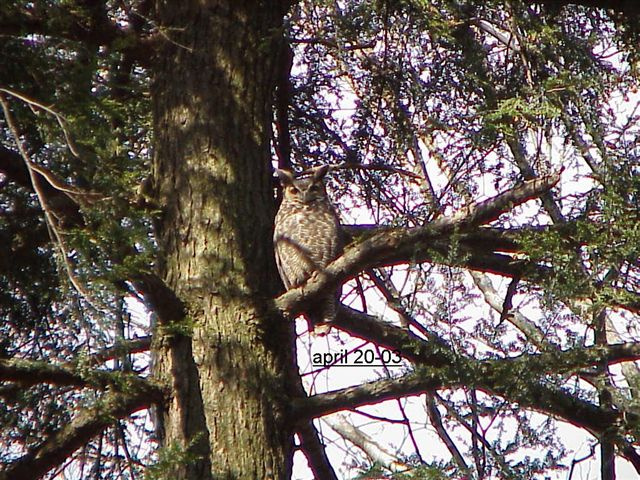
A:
(360, 357)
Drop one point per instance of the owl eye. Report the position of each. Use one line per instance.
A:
(294, 190)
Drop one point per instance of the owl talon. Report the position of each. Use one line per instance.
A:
(321, 330)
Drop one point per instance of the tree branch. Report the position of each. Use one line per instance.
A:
(628, 8)
(437, 366)
(436, 421)
(368, 393)
(376, 453)
(27, 373)
(402, 245)
(435, 352)
(161, 299)
(62, 206)
(534, 396)
(87, 423)
(314, 450)
(74, 22)
(124, 347)
(137, 345)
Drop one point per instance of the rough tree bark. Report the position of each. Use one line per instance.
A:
(226, 359)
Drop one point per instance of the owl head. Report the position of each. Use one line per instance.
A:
(306, 190)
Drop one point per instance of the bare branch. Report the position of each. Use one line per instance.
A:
(436, 420)
(39, 105)
(439, 367)
(530, 329)
(124, 347)
(373, 450)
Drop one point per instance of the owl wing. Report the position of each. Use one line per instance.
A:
(280, 263)
(305, 244)
(332, 241)
(294, 261)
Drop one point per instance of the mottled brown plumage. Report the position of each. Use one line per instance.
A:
(307, 238)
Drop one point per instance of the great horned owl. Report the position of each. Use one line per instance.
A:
(306, 239)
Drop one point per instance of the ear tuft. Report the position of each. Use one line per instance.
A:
(286, 177)
(320, 172)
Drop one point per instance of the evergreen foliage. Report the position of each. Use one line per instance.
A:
(509, 325)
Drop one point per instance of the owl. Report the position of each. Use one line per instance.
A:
(306, 239)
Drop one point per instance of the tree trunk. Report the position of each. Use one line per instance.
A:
(226, 360)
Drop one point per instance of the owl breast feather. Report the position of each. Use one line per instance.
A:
(306, 240)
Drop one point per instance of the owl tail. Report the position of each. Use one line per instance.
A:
(320, 317)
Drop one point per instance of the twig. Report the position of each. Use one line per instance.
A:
(332, 43)
(436, 420)
(381, 168)
(58, 184)
(61, 120)
(50, 219)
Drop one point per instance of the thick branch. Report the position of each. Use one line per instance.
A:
(160, 299)
(538, 397)
(403, 245)
(127, 347)
(523, 379)
(27, 373)
(314, 451)
(369, 393)
(88, 423)
(76, 23)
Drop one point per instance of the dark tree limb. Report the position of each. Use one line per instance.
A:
(29, 372)
(436, 421)
(629, 452)
(537, 397)
(435, 352)
(76, 23)
(160, 298)
(87, 423)
(437, 366)
(66, 210)
(314, 450)
(67, 372)
(124, 347)
(367, 393)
